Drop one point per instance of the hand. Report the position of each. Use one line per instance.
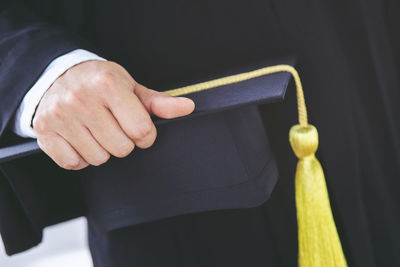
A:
(96, 109)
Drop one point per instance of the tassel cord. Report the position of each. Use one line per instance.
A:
(301, 106)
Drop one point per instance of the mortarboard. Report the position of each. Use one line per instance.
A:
(259, 90)
(319, 243)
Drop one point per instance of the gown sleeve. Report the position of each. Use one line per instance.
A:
(33, 192)
(27, 45)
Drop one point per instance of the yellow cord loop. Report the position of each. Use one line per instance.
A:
(319, 243)
(301, 105)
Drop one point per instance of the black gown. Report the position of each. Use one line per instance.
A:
(349, 61)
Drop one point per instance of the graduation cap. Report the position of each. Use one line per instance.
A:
(319, 243)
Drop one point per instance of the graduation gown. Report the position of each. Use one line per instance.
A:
(348, 59)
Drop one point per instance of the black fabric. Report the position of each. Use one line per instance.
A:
(28, 205)
(348, 58)
(226, 173)
(236, 238)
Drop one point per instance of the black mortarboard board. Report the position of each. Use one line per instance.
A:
(262, 89)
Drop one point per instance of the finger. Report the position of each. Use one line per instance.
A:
(133, 118)
(62, 153)
(81, 139)
(109, 134)
(162, 104)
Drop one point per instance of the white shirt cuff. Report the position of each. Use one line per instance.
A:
(23, 117)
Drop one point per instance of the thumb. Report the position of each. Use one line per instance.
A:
(162, 104)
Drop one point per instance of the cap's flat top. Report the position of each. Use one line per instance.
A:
(264, 89)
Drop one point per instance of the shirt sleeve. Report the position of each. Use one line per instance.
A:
(22, 124)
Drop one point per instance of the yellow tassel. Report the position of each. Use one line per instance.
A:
(319, 243)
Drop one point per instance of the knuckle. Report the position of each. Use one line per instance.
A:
(125, 150)
(81, 166)
(73, 100)
(70, 164)
(105, 79)
(143, 131)
(43, 142)
(148, 142)
(56, 111)
(101, 159)
(40, 125)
